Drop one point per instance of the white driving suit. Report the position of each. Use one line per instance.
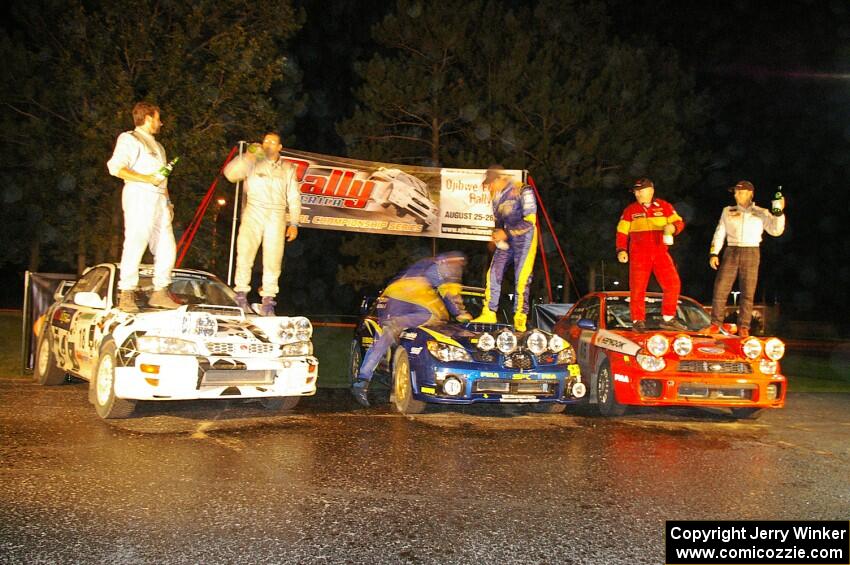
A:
(147, 210)
(271, 190)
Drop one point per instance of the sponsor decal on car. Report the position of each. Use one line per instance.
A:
(615, 342)
(427, 390)
(408, 335)
(711, 350)
(621, 378)
(415, 350)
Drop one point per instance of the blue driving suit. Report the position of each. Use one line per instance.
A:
(515, 211)
(426, 292)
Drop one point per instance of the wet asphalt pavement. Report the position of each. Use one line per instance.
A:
(210, 482)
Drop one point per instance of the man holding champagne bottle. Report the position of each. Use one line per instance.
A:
(741, 227)
(272, 192)
(139, 160)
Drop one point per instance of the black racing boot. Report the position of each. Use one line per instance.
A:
(161, 299)
(673, 325)
(127, 301)
(360, 390)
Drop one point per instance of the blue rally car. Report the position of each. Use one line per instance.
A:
(455, 363)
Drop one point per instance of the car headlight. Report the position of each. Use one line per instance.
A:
(303, 328)
(486, 342)
(506, 342)
(567, 356)
(683, 345)
(199, 323)
(650, 363)
(767, 366)
(287, 331)
(751, 347)
(657, 345)
(300, 348)
(557, 344)
(165, 345)
(445, 352)
(536, 342)
(774, 349)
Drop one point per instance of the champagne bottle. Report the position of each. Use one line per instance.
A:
(165, 171)
(775, 204)
(256, 150)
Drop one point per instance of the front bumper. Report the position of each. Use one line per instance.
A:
(668, 388)
(549, 384)
(186, 377)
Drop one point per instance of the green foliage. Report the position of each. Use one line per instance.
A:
(550, 89)
(75, 69)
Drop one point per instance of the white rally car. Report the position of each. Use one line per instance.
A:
(408, 194)
(206, 348)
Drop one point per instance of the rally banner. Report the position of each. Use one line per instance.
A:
(370, 197)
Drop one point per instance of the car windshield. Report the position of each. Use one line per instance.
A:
(689, 312)
(192, 288)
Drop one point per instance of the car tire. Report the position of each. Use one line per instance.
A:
(549, 408)
(402, 396)
(606, 397)
(46, 372)
(280, 403)
(746, 413)
(355, 359)
(105, 402)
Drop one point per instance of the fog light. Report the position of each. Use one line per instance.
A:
(579, 390)
(149, 369)
(452, 386)
(772, 391)
(650, 388)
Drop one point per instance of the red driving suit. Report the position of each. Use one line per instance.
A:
(640, 231)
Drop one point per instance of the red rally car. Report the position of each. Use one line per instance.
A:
(670, 368)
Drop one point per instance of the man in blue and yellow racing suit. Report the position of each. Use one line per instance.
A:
(515, 236)
(425, 293)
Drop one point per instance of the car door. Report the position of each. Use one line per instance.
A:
(74, 324)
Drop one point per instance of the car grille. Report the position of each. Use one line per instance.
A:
(714, 392)
(735, 367)
(227, 348)
(515, 387)
(519, 360)
(237, 378)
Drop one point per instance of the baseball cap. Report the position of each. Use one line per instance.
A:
(642, 182)
(742, 185)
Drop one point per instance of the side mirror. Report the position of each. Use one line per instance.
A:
(587, 324)
(62, 289)
(89, 300)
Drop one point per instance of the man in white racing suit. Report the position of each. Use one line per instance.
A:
(138, 159)
(271, 188)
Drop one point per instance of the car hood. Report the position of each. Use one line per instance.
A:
(705, 346)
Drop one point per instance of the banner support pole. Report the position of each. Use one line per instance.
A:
(233, 224)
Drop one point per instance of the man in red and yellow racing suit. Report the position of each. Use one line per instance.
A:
(641, 233)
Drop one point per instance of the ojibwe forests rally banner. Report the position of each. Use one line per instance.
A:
(369, 197)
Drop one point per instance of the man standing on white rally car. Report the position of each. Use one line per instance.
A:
(271, 188)
(139, 159)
